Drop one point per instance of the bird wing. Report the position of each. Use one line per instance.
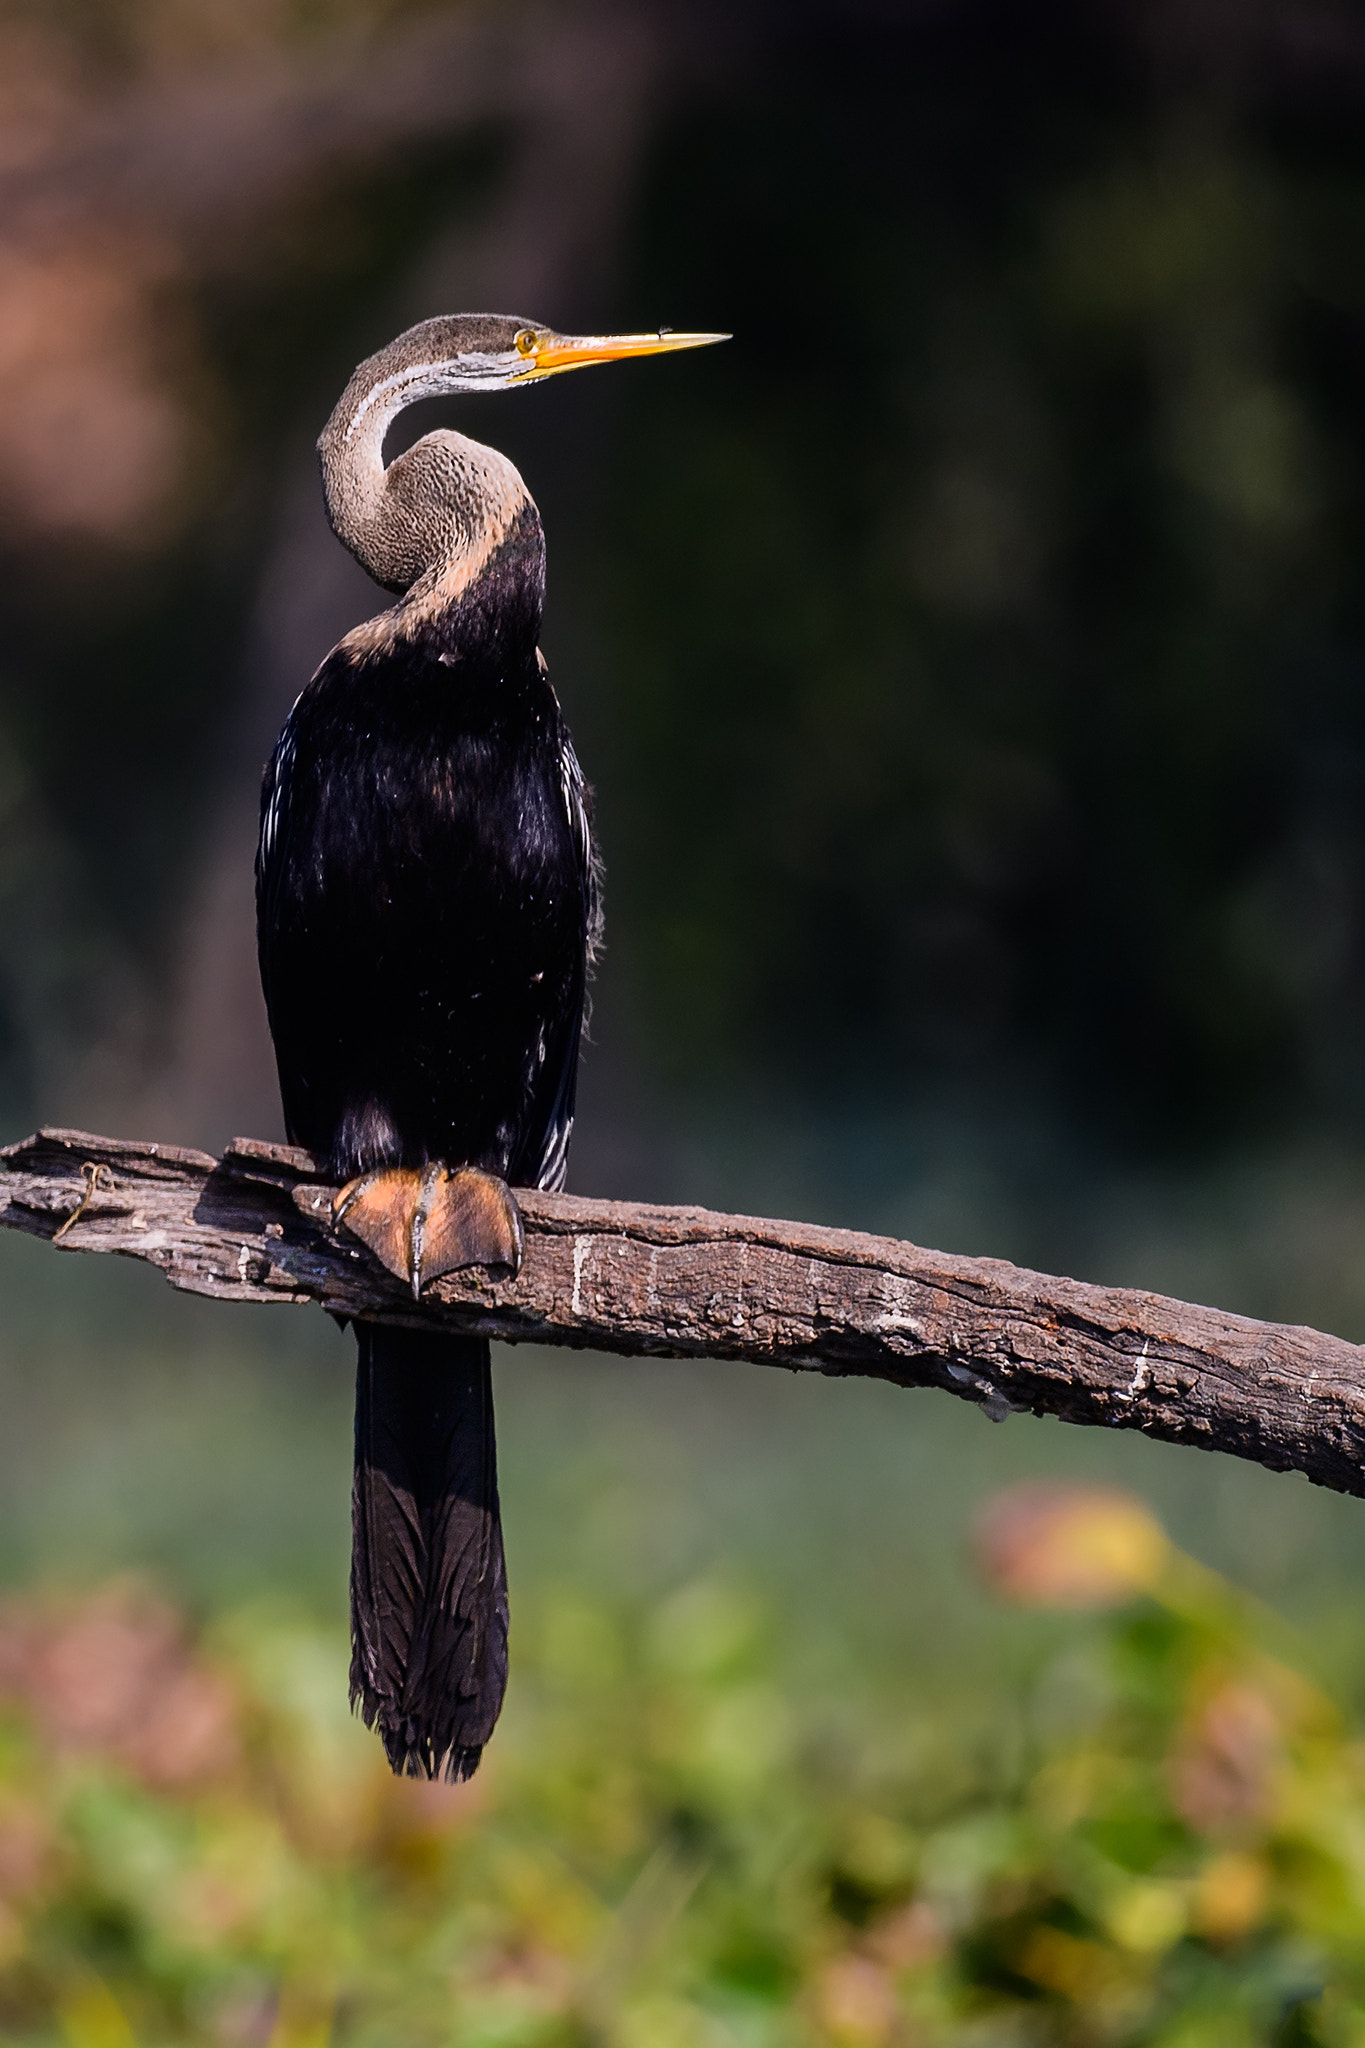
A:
(541, 1158)
(578, 804)
(553, 1109)
(274, 798)
(270, 863)
(274, 829)
(271, 842)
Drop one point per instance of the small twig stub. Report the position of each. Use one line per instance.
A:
(93, 1174)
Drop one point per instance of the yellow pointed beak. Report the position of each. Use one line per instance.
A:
(546, 354)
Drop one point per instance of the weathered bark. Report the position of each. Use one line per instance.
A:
(689, 1283)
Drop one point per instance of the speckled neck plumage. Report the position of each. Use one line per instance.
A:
(430, 524)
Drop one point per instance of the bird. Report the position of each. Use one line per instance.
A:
(428, 909)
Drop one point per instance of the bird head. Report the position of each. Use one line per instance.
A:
(489, 352)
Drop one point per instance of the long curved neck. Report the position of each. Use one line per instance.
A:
(428, 524)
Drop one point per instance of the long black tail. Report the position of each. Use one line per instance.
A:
(428, 1582)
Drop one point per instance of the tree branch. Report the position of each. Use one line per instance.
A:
(689, 1283)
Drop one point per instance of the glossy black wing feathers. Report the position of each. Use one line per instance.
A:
(270, 843)
(427, 893)
(545, 1159)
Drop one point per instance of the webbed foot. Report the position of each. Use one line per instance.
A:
(423, 1222)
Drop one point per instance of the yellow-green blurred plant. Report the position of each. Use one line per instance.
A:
(1157, 1838)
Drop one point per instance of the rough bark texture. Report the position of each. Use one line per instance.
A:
(688, 1283)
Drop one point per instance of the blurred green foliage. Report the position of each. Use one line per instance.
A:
(1156, 1833)
(968, 658)
(1006, 700)
(969, 662)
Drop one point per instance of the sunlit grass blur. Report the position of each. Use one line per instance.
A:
(1153, 1831)
(838, 1715)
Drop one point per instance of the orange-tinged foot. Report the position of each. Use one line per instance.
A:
(423, 1222)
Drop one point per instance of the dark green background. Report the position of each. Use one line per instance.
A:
(969, 661)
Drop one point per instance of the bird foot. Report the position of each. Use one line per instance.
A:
(422, 1223)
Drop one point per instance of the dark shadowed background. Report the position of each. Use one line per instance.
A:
(969, 658)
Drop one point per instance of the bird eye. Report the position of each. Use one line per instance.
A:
(526, 342)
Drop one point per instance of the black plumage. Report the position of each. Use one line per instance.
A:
(425, 893)
(426, 898)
